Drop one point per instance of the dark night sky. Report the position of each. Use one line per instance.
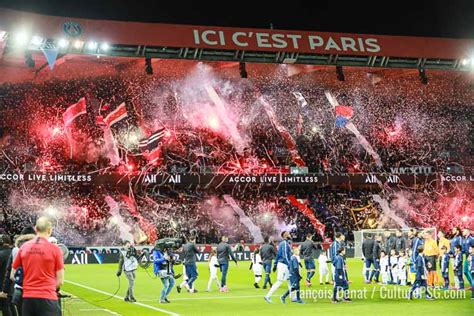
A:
(448, 18)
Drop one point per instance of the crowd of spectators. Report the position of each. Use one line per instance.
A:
(407, 123)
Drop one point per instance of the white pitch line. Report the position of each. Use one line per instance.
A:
(214, 297)
(121, 298)
(99, 309)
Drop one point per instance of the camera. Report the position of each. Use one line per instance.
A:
(168, 243)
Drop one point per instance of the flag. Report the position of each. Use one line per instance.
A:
(343, 114)
(345, 111)
(3, 43)
(74, 111)
(151, 143)
(309, 213)
(110, 146)
(51, 54)
(289, 141)
(153, 156)
(374, 77)
(300, 99)
(151, 146)
(116, 115)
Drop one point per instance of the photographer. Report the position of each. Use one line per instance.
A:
(163, 261)
(129, 263)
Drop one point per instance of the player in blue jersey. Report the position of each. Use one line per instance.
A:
(458, 267)
(340, 277)
(333, 249)
(295, 278)
(444, 266)
(282, 262)
(421, 275)
(470, 258)
(467, 242)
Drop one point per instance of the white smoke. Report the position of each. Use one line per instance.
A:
(116, 220)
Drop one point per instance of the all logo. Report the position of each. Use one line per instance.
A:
(72, 29)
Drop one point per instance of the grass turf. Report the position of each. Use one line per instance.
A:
(92, 284)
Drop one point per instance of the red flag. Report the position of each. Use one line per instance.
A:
(99, 120)
(116, 115)
(145, 225)
(344, 111)
(74, 111)
(309, 213)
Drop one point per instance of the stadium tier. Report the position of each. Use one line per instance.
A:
(132, 138)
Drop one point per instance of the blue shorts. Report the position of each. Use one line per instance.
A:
(309, 264)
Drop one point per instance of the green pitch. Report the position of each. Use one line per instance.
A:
(91, 284)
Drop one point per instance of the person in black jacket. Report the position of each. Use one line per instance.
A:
(390, 241)
(368, 253)
(6, 306)
(13, 289)
(376, 255)
(268, 253)
(401, 242)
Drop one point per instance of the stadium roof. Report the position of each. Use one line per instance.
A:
(74, 36)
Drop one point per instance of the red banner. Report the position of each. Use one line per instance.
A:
(169, 35)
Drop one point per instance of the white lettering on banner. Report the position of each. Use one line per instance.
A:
(451, 178)
(313, 44)
(175, 179)
(196, 37)
(202, 256)
(205, 38)
(262, 40)
(295, 39)
(273, 179)
(11, 177)
(80, 258)
(348, 42)
(361, 44)
(393, 179)
(371, 178)
(235, 39)
(281, 41)
(413, 170)
(243, 179)
(150, 178)
(331, 44)
(46, 177)
(373, 46)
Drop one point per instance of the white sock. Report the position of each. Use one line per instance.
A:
(274, 287)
